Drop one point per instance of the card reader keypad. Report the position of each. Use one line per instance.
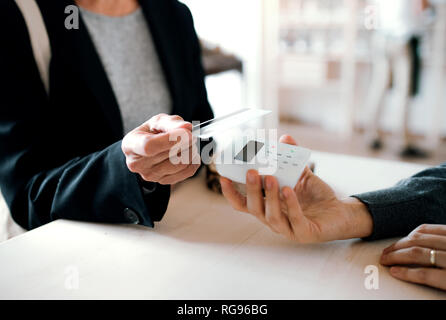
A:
(283, 161)
(282, 157)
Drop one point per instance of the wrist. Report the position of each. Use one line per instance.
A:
(361, 222)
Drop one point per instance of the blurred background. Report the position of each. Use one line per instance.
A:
(360, 77)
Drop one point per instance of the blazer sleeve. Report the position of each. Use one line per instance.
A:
(37, 186)
(414, 201)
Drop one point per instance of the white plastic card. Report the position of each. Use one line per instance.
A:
(218, 125)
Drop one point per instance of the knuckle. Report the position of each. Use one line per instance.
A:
(152, 121)
(412, 242)
(147, 143)
(176, 117)
(146, 177)
(160, 116)
(155, 175)
(184, 136)
(422, 228)
(126, 145)
(415, 252)
(415, 237)
(132, 165)
(162, 167)
(179, 167)
(126, 151)
(150, 176)
(176, 168)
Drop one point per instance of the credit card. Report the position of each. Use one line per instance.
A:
(218, 125)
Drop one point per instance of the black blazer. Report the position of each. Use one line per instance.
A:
(60, 156)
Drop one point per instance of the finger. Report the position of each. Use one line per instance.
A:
(304, 179)
(166, 123)
(255, 200)
(438, 229)
(413, 255)
(429, 276)
(148, 162)
(287, 139)
(188, 172)
(156, 159)
(290, 140)
(424, 240)
(153, 144)
(237, 201)
(162, 164)
(273, 213)
(295, 214)
(134, 142)
(166, 167)
(184, 154)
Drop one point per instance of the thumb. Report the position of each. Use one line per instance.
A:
(287, 139)
(166, 123)
(298, 221)
(290, 140)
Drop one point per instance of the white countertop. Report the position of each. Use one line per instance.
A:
(205, 250)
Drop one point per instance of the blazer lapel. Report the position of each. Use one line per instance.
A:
(96, 78)
(76, 48)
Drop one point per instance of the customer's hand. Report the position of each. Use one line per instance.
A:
(410, 257)
(309, 213)
(151, 150)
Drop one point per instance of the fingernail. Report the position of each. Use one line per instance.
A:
(268, 183)
(286, 192)
(251, 177)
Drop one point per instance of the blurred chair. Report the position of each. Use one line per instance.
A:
(215, 60)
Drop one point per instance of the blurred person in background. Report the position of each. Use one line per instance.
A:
(396, 63)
